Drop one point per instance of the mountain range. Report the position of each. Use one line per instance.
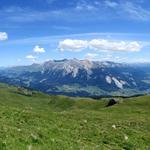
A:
(75, 77)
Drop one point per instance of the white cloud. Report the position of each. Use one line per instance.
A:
(106, 45)
(85, 7)
(139, 60)
(105, 57)
(111, 4)
(109, 57)
(3, 36)
(31, 57)
(100, 45)
(123, 10)
(38, 49)
(91, 56)
(72, 45)
(136, 12)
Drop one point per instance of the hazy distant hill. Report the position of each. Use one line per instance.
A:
(81, 77)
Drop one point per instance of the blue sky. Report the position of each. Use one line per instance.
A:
(33, 31)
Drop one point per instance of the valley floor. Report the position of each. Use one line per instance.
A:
(43, 122)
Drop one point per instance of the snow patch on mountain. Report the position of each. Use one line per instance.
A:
(118, 83)
(108, 79)
(123, 82)
(43, 80)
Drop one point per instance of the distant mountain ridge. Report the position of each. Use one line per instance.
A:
(81, 77)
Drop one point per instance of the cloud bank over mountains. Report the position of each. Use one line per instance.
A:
(99, 45)
(72, 45)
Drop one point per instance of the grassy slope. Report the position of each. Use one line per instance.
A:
(43, 122)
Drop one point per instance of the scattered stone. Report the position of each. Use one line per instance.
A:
(114, 126)
(23, 91)
(85, 121)
(18, 130)
(126, 137)
(53, 140)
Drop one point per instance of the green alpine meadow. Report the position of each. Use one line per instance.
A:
(31, 120)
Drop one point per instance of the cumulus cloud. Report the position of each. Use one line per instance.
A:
(106, 45)
(100, 45)
(72, 45)
(38, 49)
(3, 36)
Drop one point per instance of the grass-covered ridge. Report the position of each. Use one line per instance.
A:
(41, 122)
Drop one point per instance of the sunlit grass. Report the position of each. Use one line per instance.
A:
(43, 122)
